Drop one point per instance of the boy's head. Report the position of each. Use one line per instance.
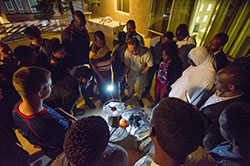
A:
(79, 20)
(131, 27)
(34, 34)
(133, 44)
(235, 127)
(177, 128)
(169, 51)
(218, 42)
(55, 48)
(182, 32)
(32, 81)
(25, 56)
(84, 75)
(229, 79)
(99, 39)
(122, 37)
(168, 36)
(86, 140)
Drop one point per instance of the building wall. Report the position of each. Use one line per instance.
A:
(139, 12)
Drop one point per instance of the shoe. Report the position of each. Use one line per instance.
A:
(91, 105)
(79, 112)
(141, 103)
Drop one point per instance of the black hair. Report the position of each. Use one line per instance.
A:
(179, 128)
(99, 35)
(131, 22)
(183, 30)
(133, 41)
(171, 49)
(53, 45)
(32, 32)
(80, 16)
(237, 126)
(86, 140)
(22, 53)
(169, 35)
(83, 72)
(223, 37)
(242, 65)
(122, 36)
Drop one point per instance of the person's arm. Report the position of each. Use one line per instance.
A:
(124, 72)
(103, 80)
(65, 114)
(145, 69)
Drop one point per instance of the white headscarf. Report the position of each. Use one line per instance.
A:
(196, 80)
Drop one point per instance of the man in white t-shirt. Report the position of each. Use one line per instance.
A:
(138, 60)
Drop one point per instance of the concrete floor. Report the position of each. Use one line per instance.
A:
(129, 144)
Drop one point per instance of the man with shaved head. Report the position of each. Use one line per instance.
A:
(75, 40)
(229, 89)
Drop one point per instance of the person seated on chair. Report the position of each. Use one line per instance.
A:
(176, 130)
(229, 89)
(235, 128)
(198, 79)
(40, 125)
(87, 143)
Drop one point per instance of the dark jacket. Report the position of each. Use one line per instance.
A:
(221, 60)
(212, 113)
(76, 43)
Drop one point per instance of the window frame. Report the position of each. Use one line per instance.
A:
(19, 7)
(32, 9)
(10, 10)
(120, 11)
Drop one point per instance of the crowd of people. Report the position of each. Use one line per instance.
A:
(201, 113)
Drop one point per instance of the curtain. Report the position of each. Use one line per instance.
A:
(181, 13)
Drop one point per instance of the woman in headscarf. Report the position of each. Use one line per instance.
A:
(198, 79)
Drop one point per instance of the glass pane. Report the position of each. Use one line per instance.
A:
(19, 6)
(160, 14)
(126, 6)
(118, 5)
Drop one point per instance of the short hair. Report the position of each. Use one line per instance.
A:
(79, 14)
(29, 80)
(223, 37)
(171, 49)
(169, 35)
(235, 76)
(32, 32)
(23, 52)
(133, 41)
(99, 35)
(179, 128)
(237, 125)
(122, 36)
(131, 22)
(183, 28)
(53, 45)
(83, 72)
(243, 67)
(86, 140)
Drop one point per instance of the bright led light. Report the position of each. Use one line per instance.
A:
(110, 88)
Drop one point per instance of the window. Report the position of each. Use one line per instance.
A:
(122, 5)
(9, 6)
(32, 4)
(19, 6)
